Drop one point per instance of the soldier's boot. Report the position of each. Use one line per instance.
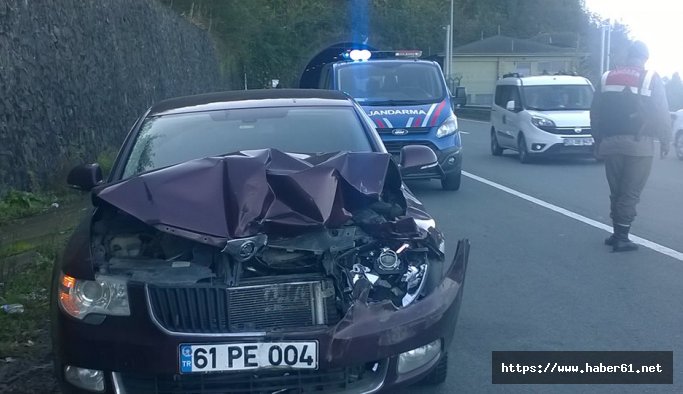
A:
(609, 241)
(621, 242)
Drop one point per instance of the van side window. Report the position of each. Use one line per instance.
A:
(506, 93)
(514, 96)
(500, 95)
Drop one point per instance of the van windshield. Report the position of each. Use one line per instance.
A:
(392, 83)
(558, 97)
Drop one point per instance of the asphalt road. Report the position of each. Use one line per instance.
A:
(540, 280)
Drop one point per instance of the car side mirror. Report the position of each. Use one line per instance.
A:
(512, 106)
(85, 177)
(459, 99)
(417, 157)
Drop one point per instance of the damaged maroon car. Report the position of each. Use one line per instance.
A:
(257, 241)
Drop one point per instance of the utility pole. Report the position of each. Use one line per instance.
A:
(447, 56)
(450, 44)
(602, 50)
(606, 41)
(609, 44)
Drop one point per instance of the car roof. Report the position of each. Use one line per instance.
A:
(250, 99)
(539, 80)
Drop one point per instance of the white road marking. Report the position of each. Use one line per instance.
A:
(464, 132)
(641, 241)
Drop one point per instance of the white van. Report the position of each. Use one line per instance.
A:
(542, 115)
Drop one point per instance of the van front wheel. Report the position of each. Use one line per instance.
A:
(451, 181)
(496, 150)
(524, 157)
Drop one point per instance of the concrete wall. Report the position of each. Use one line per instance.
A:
(75, 74)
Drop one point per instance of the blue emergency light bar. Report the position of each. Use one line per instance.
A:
(360, 55)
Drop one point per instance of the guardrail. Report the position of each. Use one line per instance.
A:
(476, 112)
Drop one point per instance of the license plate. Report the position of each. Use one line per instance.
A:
(246, 356)
(578, 141)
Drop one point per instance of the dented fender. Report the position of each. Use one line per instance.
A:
(385, 330)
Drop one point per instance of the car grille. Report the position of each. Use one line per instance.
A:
(395, 146)
(354, 379)
(253, 307)
(567, 130)
(410, 130)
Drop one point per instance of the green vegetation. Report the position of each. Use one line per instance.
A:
(26, 281)
(106, 161)
(16, 204)
(15, 248)
(267, 39)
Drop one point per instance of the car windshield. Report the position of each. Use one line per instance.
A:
(172, 139)
(392, 83)
(558, 97)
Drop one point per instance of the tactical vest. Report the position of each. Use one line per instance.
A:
(626, 97)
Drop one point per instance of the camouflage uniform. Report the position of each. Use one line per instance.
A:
(629, 112)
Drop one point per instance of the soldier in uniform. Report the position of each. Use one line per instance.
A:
(629, 112)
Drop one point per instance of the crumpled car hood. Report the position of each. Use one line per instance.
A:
(250, 192)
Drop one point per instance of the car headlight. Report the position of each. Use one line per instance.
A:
(450, 126)
(105, 295)
(542, 123)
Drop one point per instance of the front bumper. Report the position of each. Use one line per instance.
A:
(543, 143)
(138, 356)
(561, 149)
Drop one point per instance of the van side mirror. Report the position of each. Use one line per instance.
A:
(512, 106)
(85, 177)
(459, 99)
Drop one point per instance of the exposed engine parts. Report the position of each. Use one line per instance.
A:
(395, 275)
(357, 266)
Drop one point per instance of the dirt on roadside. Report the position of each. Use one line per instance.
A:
(32, 374)
(25, 347)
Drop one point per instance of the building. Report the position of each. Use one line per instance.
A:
(479, 64)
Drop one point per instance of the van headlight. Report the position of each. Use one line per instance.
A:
(450, 126)
(542, 123)
(105, 295)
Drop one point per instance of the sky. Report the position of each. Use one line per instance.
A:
(658, 23)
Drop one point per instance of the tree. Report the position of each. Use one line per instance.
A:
(272, 38)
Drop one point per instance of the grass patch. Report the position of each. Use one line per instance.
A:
(20, 204)
(17, 204)
(28, 285)
(15, 248)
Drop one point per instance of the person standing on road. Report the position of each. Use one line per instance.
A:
(628, 113)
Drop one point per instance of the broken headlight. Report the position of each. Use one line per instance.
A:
(397, 274)
(105, 295)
